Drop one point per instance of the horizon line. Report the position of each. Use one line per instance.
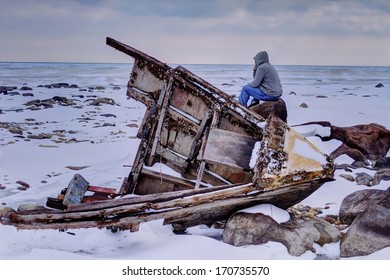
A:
(80, 62)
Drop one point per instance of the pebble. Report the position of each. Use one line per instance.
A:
(22, 183)
(76, 167)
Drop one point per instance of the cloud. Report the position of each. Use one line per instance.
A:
(204, 31)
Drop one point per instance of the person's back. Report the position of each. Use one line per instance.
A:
(266, 84)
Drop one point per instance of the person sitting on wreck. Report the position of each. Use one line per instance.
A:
(266, 85)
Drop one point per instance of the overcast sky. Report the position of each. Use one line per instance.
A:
(302, 32)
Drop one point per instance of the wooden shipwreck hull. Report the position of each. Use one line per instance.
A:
(228, 158)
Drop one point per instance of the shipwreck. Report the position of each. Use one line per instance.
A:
(227, 156)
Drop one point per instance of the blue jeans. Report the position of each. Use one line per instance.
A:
(256, 93)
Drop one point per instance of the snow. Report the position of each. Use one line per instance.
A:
(255, 151)
(108, 151)
(276, 213)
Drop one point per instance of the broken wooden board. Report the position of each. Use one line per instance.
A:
(229, 148)
(75, 190)
(182, 209)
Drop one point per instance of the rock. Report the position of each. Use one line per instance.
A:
(12, 93)
(380, 85)
(40, 136)
(266, 108)
(257, 228)
(60, 85)
(322, 231)
(78, 95)
(109, 124)
(331, 218)
(22, 183)
(103, 100)
(381, 175)
(16, 130)
(76, 167)
(304, 105)
(60, 99)
(362, 178)
(347, 177)
(5, 210)
(30, 207)
(108, 115)
(357, 202)
(383, 162)
(369, 232)
(36, 102)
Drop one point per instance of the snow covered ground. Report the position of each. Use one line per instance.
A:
(103, 140)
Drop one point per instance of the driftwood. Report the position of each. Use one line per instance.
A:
(360, 142)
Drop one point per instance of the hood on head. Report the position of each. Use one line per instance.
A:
(261, 58)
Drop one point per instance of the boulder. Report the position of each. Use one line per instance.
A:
(383, 162)
(266, 108)
(362, 178)
(369, 232)
(381, 175)
(257, 228)
(357, 202)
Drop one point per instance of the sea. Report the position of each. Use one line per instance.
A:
(228, 77)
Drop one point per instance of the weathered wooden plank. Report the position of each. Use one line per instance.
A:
(75, 190)
(135, 53)
(162, 106)
(139, 208)
(190, 103)
(182, 217)
(142, 78)
(229, 148)
(139, 96)
(154, 182)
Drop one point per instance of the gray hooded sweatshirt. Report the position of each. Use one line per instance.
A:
(265, 76)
